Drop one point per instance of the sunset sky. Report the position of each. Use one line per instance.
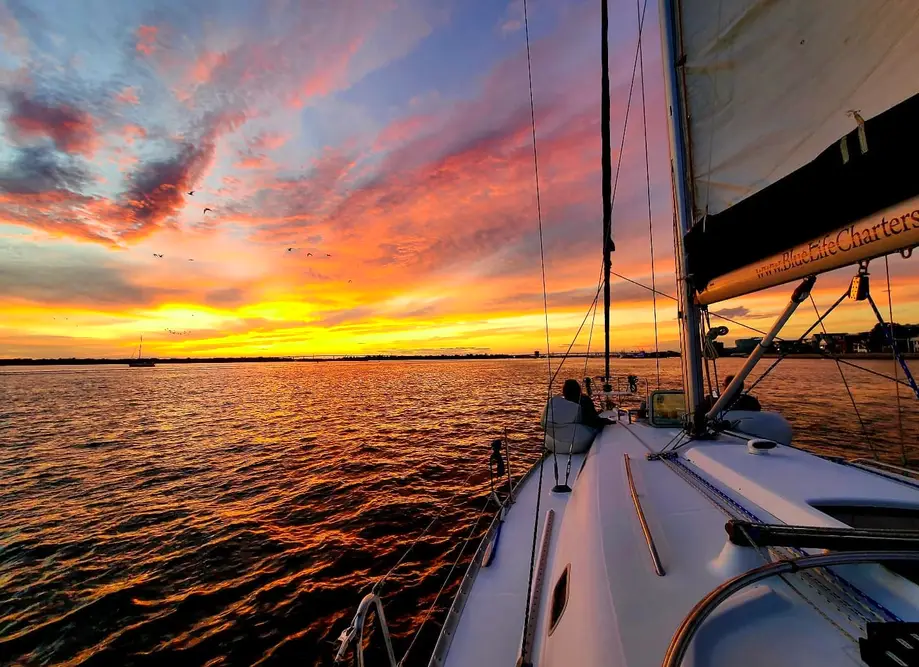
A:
(387, 142)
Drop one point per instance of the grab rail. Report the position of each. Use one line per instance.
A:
(357, 629)
(655, 558)
(679, 645)
(882, 464)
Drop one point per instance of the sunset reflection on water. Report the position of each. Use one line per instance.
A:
(235, 513)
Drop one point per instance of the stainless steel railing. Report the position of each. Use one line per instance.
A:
(684, 635)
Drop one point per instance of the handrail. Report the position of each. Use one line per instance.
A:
(445, 638)
(684, 635)
(865, 461)
(525, 658)
(357, 628)
(655, 558)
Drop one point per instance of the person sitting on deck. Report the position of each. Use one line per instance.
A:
(571, 421)
(742, 401)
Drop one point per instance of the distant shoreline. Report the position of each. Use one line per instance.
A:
(250, 360)
(874, 356)
(74, 361)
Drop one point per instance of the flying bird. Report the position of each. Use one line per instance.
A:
(157, 255)
(328, 255)
(191, 260)
(309, 254)
(290, 250)
(349, 281)
(191, 193)
(206, 210)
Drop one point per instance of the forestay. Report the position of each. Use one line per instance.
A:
(801, 120)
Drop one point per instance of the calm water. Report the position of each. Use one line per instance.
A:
(235, 514)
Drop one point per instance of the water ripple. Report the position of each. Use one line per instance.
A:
(235, 514)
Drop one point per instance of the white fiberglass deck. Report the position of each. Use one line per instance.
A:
(491, 626)
(619, 613)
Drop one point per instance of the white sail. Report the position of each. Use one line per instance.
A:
(769, 84)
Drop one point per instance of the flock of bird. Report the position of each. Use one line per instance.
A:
(158, 255)
(191, 193)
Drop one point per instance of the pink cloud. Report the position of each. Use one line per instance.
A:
(146, 39)
(401, 130)
(130, 132)
(127, 95)
(204, 66)
(513, 18)
(332, 72)
(14, 41)
(57, 212)
(156, 190)
(72, 130)
(268, 141)
(249, 160)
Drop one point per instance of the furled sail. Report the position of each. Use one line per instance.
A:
(803, 127)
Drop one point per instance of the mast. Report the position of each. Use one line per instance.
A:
(608, 246)
(690, 343)
(140, 348)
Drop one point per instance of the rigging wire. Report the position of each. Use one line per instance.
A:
(673, 298)
(644, 127)
(593, 307)
(703, 321)
(827, 355)
(712, 351)
(545, 303)
(430, 609)
(609, 205)
(593, 320)
(526, 27)
(896, 369)
(462, 487)
(628, 104)
(558, 369)
(848, 389)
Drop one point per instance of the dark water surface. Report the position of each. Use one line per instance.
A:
(235, 513)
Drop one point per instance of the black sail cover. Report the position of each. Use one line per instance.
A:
(803, 118)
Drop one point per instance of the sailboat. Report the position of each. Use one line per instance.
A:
(140, 362)
(691, 533)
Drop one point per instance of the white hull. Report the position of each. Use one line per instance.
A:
(620, 613)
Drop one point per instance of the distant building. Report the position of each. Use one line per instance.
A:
(843, 343)
(746, 345)
(834, 343)
(536, 353)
